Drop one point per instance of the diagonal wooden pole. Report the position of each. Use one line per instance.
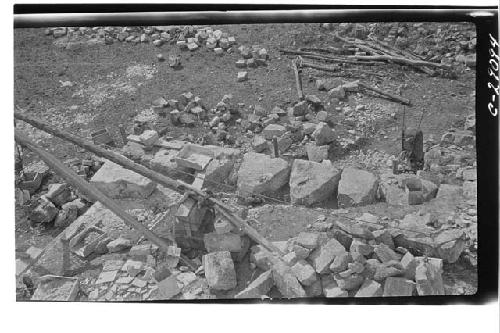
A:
(90, 190)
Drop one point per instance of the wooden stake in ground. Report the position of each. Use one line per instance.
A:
(297, 64)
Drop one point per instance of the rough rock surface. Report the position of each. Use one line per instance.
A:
(312, 182)
(219, 270)
(356, 188)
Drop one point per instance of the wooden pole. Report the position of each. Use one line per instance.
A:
(91, 191)
(178, 186)
(298, 79)
(387, 94)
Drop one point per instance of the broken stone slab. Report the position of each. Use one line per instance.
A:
(90, 240)
(448, 192)
(118, 182)
(340, 262)
(261, 257)
(286, 282)
(261, 174)
(356, 187)
(315, 289)
(193, 161)
(66, 216)
(352, 282)
(272, 130)
(385, 253)
(51, 261)
(428, 278)
(450, 244)
(334, 292)
(323, 134)
(59, 194)
(164, 162)
(106, 277)
(149, 138)
(215, 242)
(259, 144)
(45, 212)
(384, 237)
(356, 229)
(258, 287)
(56, 288)
(322, 257)
(219, 270)
(398, 286)
(317, 153)
(369, 288)
(469, 189)
(312, 182)
(304, 272)
(409, 264)
(168, 288)
(309, 240)
(217, 172)
(361, 247)
(190, 212)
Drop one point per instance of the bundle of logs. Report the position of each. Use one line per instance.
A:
(370, 52)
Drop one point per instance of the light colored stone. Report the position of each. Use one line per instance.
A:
(335, 292)
(340, 262)
(429, 280)
(322, 257)
(119, 244)
(286, 282)
(304, 272)
(215, 242)
(312, 182)
(168, 288)
(398, 286)
(149, 138)
(258, 287)
(219, 270)
(272, 130)
(118, 182)
(261, 174)
(385, 253)
(351, 282)
(323, 134)
(369, 288)
(309, 240)
(356, 187)
(317, 153)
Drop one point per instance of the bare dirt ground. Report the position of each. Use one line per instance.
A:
(110, 84)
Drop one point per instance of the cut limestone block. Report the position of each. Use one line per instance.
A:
(398, 286)
(369, 288)
(356, 188)
(259, 287)
(118, 182)
(261, 174)
(323, 256)
(312, 182)
(56, 288)
(219, 270)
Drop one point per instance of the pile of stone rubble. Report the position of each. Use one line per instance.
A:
(185, 38)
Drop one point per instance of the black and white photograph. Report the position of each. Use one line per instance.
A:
(310, 160)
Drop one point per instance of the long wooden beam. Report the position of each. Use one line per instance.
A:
(93, 192)
(178, 186)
